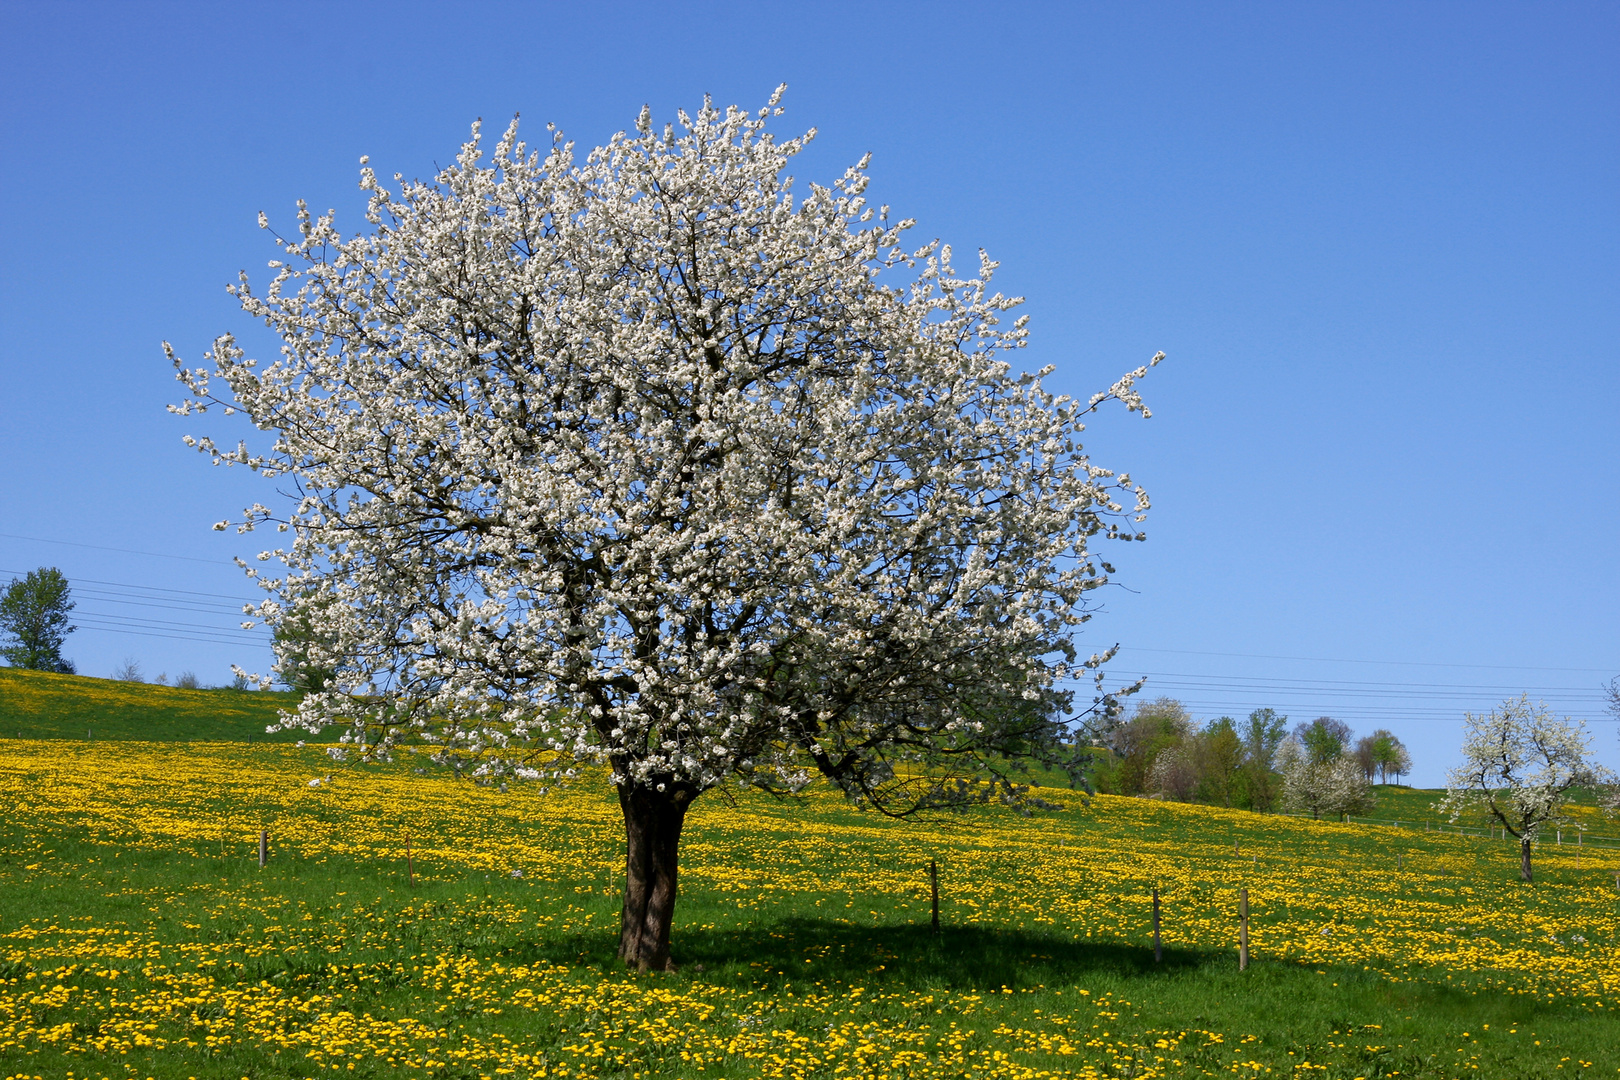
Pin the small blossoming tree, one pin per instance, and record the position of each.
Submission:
(1519, 764)
(1336, 785)
(646, 460)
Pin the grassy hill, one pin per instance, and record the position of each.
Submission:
(38, 705)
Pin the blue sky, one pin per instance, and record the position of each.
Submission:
(1377, 241)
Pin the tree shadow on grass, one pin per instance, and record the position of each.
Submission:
(813, 950)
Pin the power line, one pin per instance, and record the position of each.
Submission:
(173, 637)
(1252, 680)
(1342, 660)
(1355, 688)
(1361, 715)
(148, 588)
(165, 624)
(125, 551)
(103, 597)
(163, 599)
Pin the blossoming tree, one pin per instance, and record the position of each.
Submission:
(1519, 764)
(646, 460)
(1312, 781)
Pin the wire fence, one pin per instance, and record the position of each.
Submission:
(1557, 837)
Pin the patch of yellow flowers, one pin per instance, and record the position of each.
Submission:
(1322, 894)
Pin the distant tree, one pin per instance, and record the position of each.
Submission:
(1366, 755)
(34, 619)
(1400, 762)
(1336, 787)
(1380, 752)
(1263, 735)
(1218, 755)
(303, 653)
(1349, 792)
(1612, 692)
(1291, 757)
(130, 671)
(1174, 774)
(1153, 727)
(1324, 739)
(1389, 755)
(186, 681)
(1519, 765)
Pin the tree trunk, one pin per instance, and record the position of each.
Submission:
(652, 830)
(1524, 858)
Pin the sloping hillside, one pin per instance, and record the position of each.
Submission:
(37, 705)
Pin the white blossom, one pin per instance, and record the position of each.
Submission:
(1337, 787)
(639, 459)
(648, 459)
(1519, 764)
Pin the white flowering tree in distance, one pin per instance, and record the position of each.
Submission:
(644, 460)
(1335, 786)
(1519, 764)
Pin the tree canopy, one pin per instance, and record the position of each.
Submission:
(1324, 739)
(34, 612)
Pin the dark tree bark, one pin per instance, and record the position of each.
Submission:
(652, 829)
(1524, 858)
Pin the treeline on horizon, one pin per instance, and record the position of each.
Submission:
(1256, 763)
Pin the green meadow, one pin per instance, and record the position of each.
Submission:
(409, 925)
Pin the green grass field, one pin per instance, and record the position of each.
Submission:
(138, 936)
(39, 705)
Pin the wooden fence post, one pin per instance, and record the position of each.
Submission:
(1243, 929)
(933, 889)
(1158, 950)
(264, 847)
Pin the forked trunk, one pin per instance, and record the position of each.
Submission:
(652, 830)
(1524, 858)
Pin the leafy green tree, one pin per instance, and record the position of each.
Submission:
(1388, 754)
(1219, 756)
(1400, 762)
(34, 616)
(1154, 727)
(1324, 739)
(299, 646)
(1366, 756)
(1262, 735)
